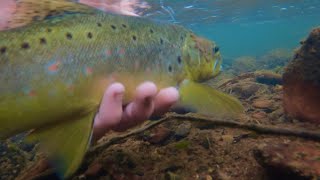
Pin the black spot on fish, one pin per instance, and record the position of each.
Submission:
(69, 36)
(179, 59)
(52, 13)
(151, 31)
(134, 38)
(49, 30)
(124, 26)
(25, 45)
(36, 18)
(113, 27)
(43, 41)
(3, 50)
(89, 35)
(161, 41)
(170, 68)
(99, 24)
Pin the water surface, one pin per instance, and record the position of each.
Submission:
(242, 27)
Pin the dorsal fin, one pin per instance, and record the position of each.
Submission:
(28, 11)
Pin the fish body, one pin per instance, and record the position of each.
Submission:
(53, 73)
(77, 53)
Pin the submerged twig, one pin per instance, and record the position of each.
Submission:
(263, 129)
(128, 134)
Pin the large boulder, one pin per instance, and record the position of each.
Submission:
(302, 81)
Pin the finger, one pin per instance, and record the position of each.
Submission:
(110, 111)
(8, 8)
(164, 100)
(141, 108)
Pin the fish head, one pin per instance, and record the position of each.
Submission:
(202, 58)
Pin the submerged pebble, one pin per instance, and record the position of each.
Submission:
(159, 135)
(259, 115)
(262, 104)
(183, 130)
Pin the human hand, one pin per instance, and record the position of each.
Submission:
(148, 101)
(7, 8)
(124, 7)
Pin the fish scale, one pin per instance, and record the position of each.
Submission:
(59, 47)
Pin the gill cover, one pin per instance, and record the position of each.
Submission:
(202, 57)
(203, 61)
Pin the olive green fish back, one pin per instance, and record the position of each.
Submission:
(49, 59)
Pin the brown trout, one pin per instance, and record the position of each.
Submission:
(55, 68)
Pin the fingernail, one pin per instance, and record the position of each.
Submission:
(147, 101)
(118, 96)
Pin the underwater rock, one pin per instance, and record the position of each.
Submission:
(290, 160)
(244, 64)
(302, 81)
(228, 139)
(259, 115)
(262, 104)
(12, 159)
(35, 169)
(159, 135)
(183, 130)
(245, 89)
(94, 169)
(275, 59)
(268, 78)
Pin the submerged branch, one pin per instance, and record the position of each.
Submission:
(262, 129)
(120, 137)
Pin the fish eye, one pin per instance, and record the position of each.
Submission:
(216, 49)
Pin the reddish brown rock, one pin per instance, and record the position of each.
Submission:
(159, 135)
(36, 169)
(268, 77)
(302, 101)
(262, 104)
(246, 89)
(259, 115)
(291, 161)
(301, 86)
(94, 169)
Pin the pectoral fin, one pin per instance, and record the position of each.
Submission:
(208, 101)
(65, 143)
